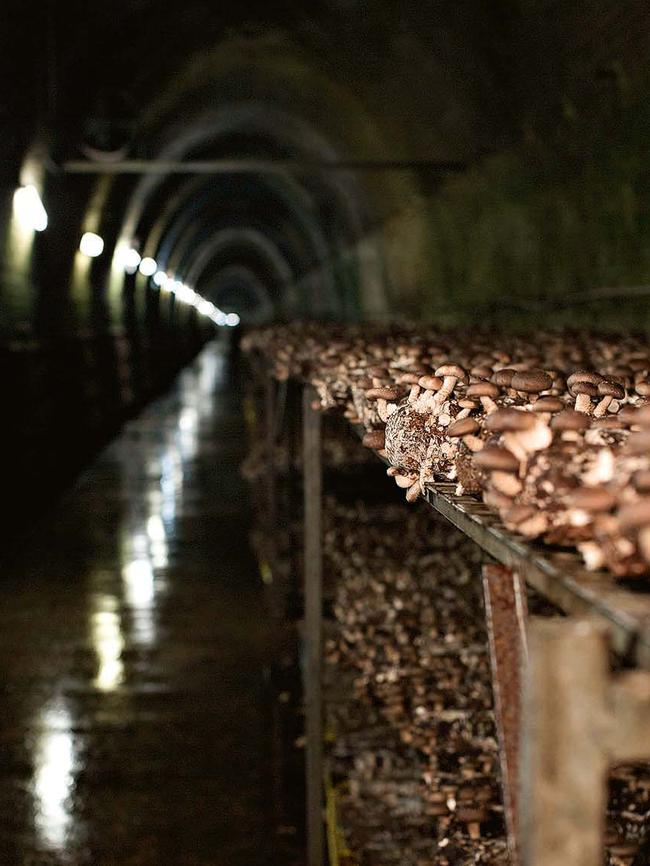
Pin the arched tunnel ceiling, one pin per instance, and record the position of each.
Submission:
(188, 82)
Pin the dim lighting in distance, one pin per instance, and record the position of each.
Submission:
(131, 260)
(205, 308)
(91, 245)
(160, 278)
(148, 266)
(29, 208)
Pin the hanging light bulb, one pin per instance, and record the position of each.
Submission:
(91, 245)
(29, 209)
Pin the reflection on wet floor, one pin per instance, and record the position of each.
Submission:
(134, 654)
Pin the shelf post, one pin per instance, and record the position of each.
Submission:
(313, 593)
(506, 611)
(565, 743)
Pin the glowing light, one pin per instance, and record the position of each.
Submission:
(206, 308)
(219, 318)
(232, 320)
(91, 245)
(131, 260)
(160, 278)
(185, 294)
(156, 528)
(29, 209)
(148, 266)
(54, 763)
(108, 641)
(139, 583)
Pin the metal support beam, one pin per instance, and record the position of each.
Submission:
(277, 166)
(313, 591)
(506, 611)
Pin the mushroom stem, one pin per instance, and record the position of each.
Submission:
(489, 405)
(448, 384)
(474, 443)
(583, 404)
(602, 407)
(413, 492)
(414, 393)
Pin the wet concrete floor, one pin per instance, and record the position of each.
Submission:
(135, 655)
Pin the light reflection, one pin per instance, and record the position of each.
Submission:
(108, 640)
(54, 764)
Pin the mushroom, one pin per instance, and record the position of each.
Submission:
(608, 390)
(526, 520)
(531, 382)
(569, 424)
(493, 457)
(583, 385)
(431, 385)
(451, 373)
(548, 404)
(384, 396)
(466, 428)
(487, 392)
(523, 433)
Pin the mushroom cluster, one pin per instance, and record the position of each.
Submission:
(414, 747)
(553, 435)
(409, 628)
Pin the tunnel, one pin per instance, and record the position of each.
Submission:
(218, 221)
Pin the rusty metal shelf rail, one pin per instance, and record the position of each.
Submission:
(557, 574)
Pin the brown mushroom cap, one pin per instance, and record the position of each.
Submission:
(638, 443)
(591, 499)
(642, 417)
(463, 427)
(611, 388)
(549, 404)
(483, 389)
(430, 383)
(481, 371)
(635, 515)
(453, 370)
(503, 377)
(493, 457)
(628, 414)
(608, 422)
(569, 419)
(583, 388)
(518, 514)
(408, 378)
(383, 394)
(641, 480)
(583, 376)
(509, 420)
(531, 381)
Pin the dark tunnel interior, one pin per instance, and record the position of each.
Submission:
(350, 161)
(173, 174)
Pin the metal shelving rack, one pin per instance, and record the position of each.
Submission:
(562, 717)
